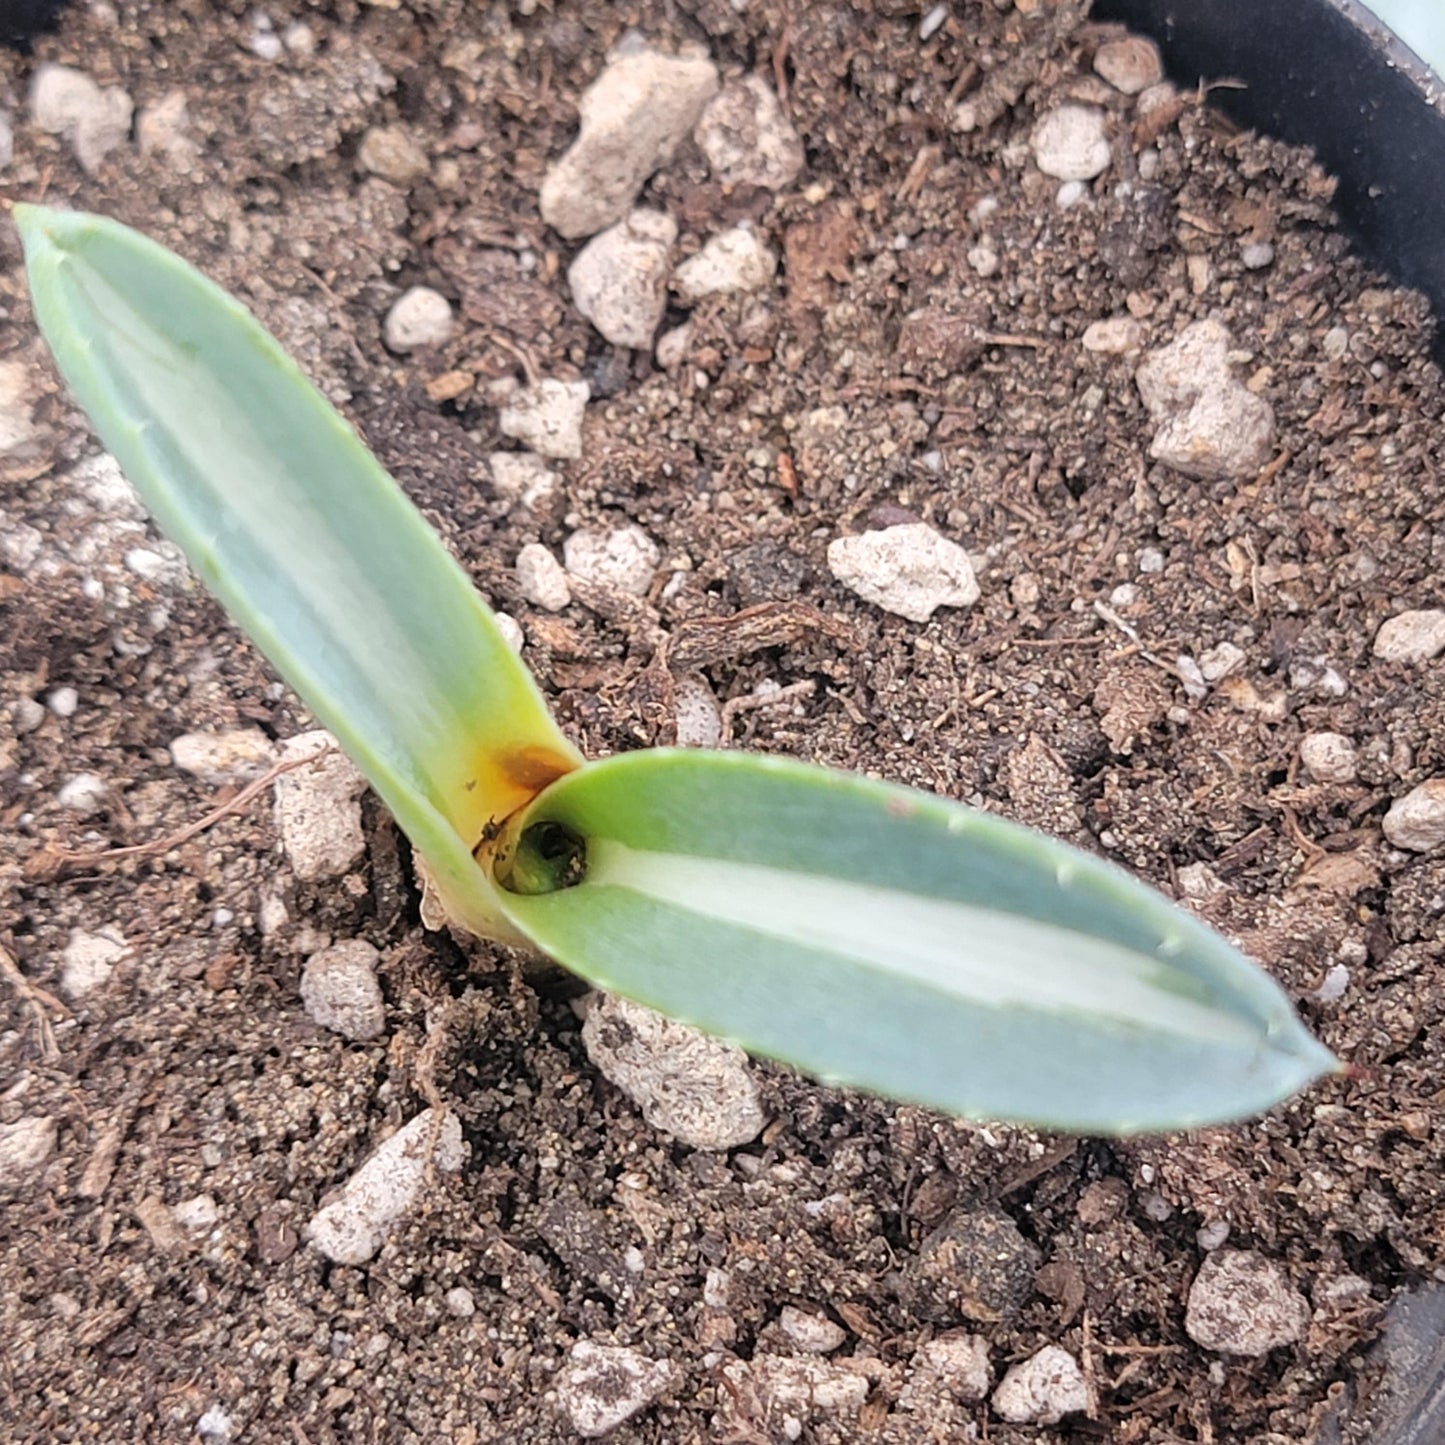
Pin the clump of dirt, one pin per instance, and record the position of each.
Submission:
(1147, 654)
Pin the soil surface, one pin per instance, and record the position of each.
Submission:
(1083, 693)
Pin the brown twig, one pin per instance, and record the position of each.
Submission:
(1312, 850)
(524, 357)
(780, 67)
(918, 173)
(1086, 1356)
(966, 78)
(55, 860)
(337, 309)
(1103, 610)
(1009, 338)
(751, 702)
(37, 1000)
(1096, 640)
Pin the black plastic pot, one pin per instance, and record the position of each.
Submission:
(22, 20)
(1327, 74)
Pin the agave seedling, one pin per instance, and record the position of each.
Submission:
(872, 935)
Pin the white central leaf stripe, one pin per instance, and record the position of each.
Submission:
(992, 959)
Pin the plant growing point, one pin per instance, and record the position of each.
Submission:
(875, 936)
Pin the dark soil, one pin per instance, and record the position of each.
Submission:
(196, 1070)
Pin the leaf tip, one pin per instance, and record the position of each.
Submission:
(39, 235)
(31, 220)
(51, 230)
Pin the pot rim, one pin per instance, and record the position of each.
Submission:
(1397, 52)
(1329, 74)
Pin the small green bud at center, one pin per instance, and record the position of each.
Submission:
(548, 858)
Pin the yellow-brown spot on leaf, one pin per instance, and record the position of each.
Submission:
(535, 768)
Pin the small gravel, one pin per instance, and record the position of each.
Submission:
(317, 808)
(216, 1426)
(1114, 336)
(932, 22)
(604, 1386)
(748, 139)
(89, 960)
(1416, 822)
(1411, 637)
(1212, 1234)
(1042, 1389)
(162, 128)
(803, 1385)
(1329, 757)
(391, 152)
(1221, 661)
(733, 261)
(68, 103)
(523, 480)
(63, 701)
(340, 991)
(672, 346)
(695, 706)
(511, 631)
(909, 570)
(1131, 64)
(196, 1215)
(624, 559)
(26, 715)
(353, 1226)
(85, 793)
(162, 565)
(631, 120)
(1210, 426)
(619, 278)
(418, 318)
(984, 260)
(541, 578)
(460, 1302)
(812, 1333)
(545, 416)
(238, 755)
(955, 1364)
(696, 1088)
(1243, 1304)
(1071, 143)
(26, 1145)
